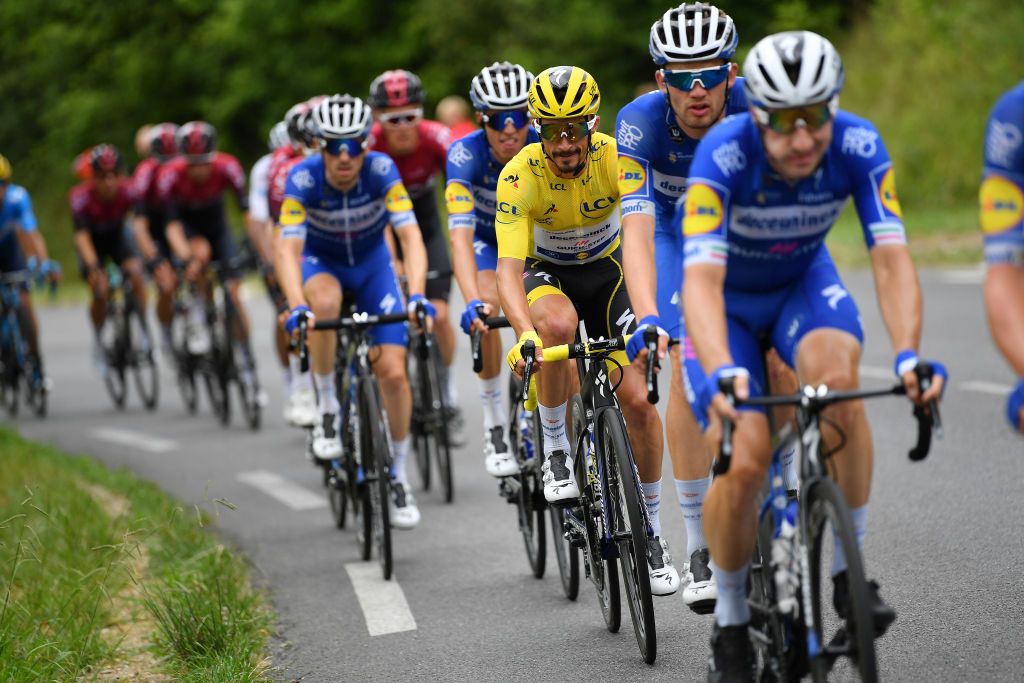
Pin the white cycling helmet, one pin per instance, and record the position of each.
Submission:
(792, 69)
(501, 86)
(278, 136)
(693, 32)
(342, 116)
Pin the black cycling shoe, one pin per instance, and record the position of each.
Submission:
(732, 655)
(882, 614)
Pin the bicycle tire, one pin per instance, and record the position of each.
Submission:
(378, 475)
(10, 384)
(566, 554)
(114, 378)
(822, 503)
(531, 503)
(249, 391)
(629, 528)
(187, 384)
(417, 426)
(770, 647)
(337, 497)
(438, 425)
(144, 370)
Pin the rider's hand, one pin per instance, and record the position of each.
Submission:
(636, 347)
(1015, 407)
(96, 278)
(472, 317)
(192, 269)
(298, 313)
(50, 270)
(417, 301)
(741, 389)
(514, 357)
(906, 364)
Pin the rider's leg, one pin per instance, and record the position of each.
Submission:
(490, 349)
(32, 332)
(555, 320)
(323, 293)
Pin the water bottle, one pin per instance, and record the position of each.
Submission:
(784, 562)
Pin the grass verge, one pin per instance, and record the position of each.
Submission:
(103, 576)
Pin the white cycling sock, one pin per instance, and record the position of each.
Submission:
(553, 422)
(731, 609)
(790, 476)
(451, 392)
(490, 396)
(691, 499)
(652, 496)
(286, 379)
(327, 399)
(860, 528)
(300, 380)
(399, 457)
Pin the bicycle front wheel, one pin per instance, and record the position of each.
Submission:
(827, 517)
(418, 424)
(375, 464)
(531, 503)
(629, 529)
(144, 369)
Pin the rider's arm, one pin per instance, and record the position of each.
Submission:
(288, 266)
(1004, 303)
(464, 264)
(260, 234)
(704, 308)
(899, 295)
(86, 250)
(638, 263)
(461, 226)
(414, 257)
(513, 295)
(513, 225)
(140, 230)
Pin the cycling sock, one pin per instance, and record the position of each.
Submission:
(451, 392)
(790, 476)
(168, 339)
(326, 394)
(490, 395)
(691, 499)
(731, 609)
(300, 380)
(553, 422)
(399, 456)
(860, 527)
(652, 496)
(286, 379)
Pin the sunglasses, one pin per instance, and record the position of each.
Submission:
(570, 131)
(499, 120)
(687, 79)
(353, 146)
(786, 121)
(399, 118)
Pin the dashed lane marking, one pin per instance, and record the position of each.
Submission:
(140, 440)
(383, 602)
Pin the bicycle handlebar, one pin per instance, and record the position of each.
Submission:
(360, 320)
(476, 337)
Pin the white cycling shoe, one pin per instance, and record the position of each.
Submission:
(326, 440)
(498, 458)
(701, 592)
(559, 483)
(664, 577)
(402, 507)
(300, 409)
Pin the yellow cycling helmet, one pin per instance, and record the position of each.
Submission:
(563, 92)
(5, 168)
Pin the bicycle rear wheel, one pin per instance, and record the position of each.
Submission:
(766, 623)
(827, 516)
(418, 425)
(10, 383)
(249, 389)
(144, 370)
(378, 475)
(629, 529)
(439, 425)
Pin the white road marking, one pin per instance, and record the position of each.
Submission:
(383, 602)
(288, 492)
(971, 276)
(987, 388)
(146, 442)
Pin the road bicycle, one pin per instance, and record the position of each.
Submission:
(430, 412)
(128, 344)
(18, 367)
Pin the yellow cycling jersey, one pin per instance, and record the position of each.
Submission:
(560, 220)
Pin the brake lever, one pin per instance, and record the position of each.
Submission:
(651, 340)
(726, 385)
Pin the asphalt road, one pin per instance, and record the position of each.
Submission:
(945, 535)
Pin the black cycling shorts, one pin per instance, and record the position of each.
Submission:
(116, 246)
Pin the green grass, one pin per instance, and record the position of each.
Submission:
(68, 566)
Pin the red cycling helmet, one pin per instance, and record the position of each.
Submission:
(396, 88)
(105, 159)
(197, 142)
(162, 143)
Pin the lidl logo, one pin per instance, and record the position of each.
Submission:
(292, 213)
(631, 176)
(397, 199)
(702, 212)
(458, 198)
(1002, 204)
(887, 193)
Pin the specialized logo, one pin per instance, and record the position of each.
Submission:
(292, 213)
(629, 135)
(887, 193)
(702, 212)
(625, 320)
(303, 179)
(597, 208)
(729, 158)
(834, 294)
(458, 198)
(459, 154)
(1003, 140)
(388, 303)
(631, 176)
(397, 199)
(513, 179)
(860, 141)
(1002, 205)
(381, 165)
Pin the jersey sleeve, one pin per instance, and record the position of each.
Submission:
(259, 184)
(703, 215)
(458, 193)
(166, 180)
(25, 217)
(636, 144)
(396, 198)
(1001, 197)
(236, 178)
(872, 184)
(79, 201)
(142, 180)
(515, 197)
(293, 216)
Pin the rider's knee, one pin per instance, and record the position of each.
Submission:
(556, 330)
(391, 376)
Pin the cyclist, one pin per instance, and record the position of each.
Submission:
(1002, 222)
(20, 235)
(453, 111)
(99, 209)
(499, 93)
(657, 133)
(559, 261)
(419, 148)
(192, 187)
(764, 189)
(150, 224)
(337, 205)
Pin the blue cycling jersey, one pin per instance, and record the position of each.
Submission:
(738, 212)
(346, 226)
(16, 212)
(655, 156)
(472, 185)
(1002, 188)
